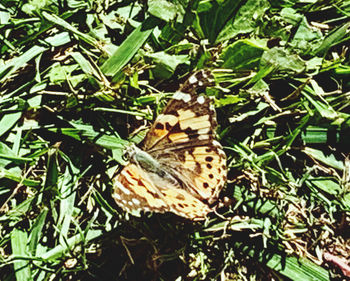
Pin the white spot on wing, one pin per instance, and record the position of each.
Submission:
(203, 131)
(203, 137)
(171, 119)
(200, 99)
(216, 143)
(182, 96)
(116, 196)
(122, 188)
(136, 201)
(192, 79)
(130, 203)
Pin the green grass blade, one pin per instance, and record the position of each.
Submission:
(36, 231)
(8, 121)
(19, 239)
(59, 250)
(13, 65)
(296, 269)
(126, 50)
(64, 24)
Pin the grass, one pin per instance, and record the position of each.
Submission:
(80, 80)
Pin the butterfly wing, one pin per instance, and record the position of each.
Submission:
(182, 145)
(135, 190)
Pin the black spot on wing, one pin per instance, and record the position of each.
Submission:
(198, 169)
(192, 134)
(168, 127)
(159, 126)
(208, 158)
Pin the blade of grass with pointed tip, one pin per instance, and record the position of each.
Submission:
(126, 51)
(8, 121)
(85, 64)
(61, 22)
(13, 65)
(332, 39)
(329, 160)
(67, 186)
(36, 231)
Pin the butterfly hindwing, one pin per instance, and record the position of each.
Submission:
(202, 169)
(135, 191)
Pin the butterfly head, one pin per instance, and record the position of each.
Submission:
(129, 152)
(142, 159)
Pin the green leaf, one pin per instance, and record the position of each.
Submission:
(64, 24)
(16, 175)
(328, 160)
(58, 39)
(332, 39)
(59, 73)
(165, 64)
(166, 10)
(228, 99)
(282, 60)
(245, 20)
(325, 184)
(243, 54)
(85, 64)
(291, 16)
(346, 200)
(324, 109)
(86, 131)
(306, 38)
(5, 150)
(52, 170)
(67, 185)
(34, 6)
(213, 15)
(294, 268)
(315, 135)
(60, 250)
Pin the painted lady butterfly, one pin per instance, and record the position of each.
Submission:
(180, 168)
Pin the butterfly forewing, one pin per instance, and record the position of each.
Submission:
(187, 119)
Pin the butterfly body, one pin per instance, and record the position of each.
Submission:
(180, 167)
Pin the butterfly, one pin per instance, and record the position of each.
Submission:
(180, 166)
